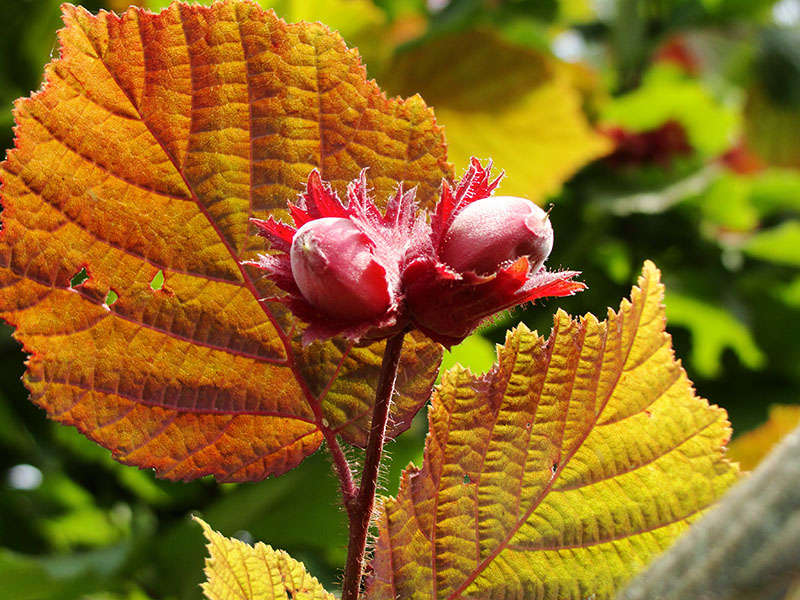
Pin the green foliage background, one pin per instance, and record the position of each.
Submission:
(726, 239)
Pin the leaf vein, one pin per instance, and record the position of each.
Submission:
(210, 411)
(274, 451)
(641, 465)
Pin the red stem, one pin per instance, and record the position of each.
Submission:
(359, 510)
(343, 470)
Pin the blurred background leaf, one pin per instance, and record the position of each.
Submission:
(503, 101)
(667, 130)
(750, 448)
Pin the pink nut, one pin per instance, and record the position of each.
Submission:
(491, 233)
(334, 267)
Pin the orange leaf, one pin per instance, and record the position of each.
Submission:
(153, 142)
(751, 447)
(559, 473)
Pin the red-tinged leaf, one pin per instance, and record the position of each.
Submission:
(562, 471)
(153, 142)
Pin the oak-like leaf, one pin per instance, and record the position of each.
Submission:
(237, 571)
(127, 205)
(562, 471)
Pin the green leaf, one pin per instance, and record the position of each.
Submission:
(727, 204)
(790, 292)
(780, 244)
(238, 571)
(772, 130)
(776, 189)
(60, 577)
(475, 353)
(667, 94)
(713, 330)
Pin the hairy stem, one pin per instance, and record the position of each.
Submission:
(359, 510)
(342, 467)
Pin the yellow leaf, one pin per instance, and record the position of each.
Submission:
(561, 472)
(750, 448)
(238, 571)
(509, 103)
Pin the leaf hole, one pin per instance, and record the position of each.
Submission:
(244, 536)
(79, 278)
(554, 468)
(157, 282)
(466, 479)
(111, 297)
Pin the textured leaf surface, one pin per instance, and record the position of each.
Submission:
(505, 102)
(238, 571)
(746, 548)
(561, 472)
(751, 447)
(154, 140)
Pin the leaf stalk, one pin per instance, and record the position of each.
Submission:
(360, 508)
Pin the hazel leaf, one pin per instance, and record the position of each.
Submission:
(137, 168)
(238, 571)
(513, 104)
(562, 471)
(746, 548)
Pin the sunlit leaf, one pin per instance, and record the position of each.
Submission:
(506, 102)
(360, 22)
(238, 571)
(751, 447)
(745, 548)
(88, 526)
(154, 140)
(561, 472)
(580, 11)
(714, 330)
